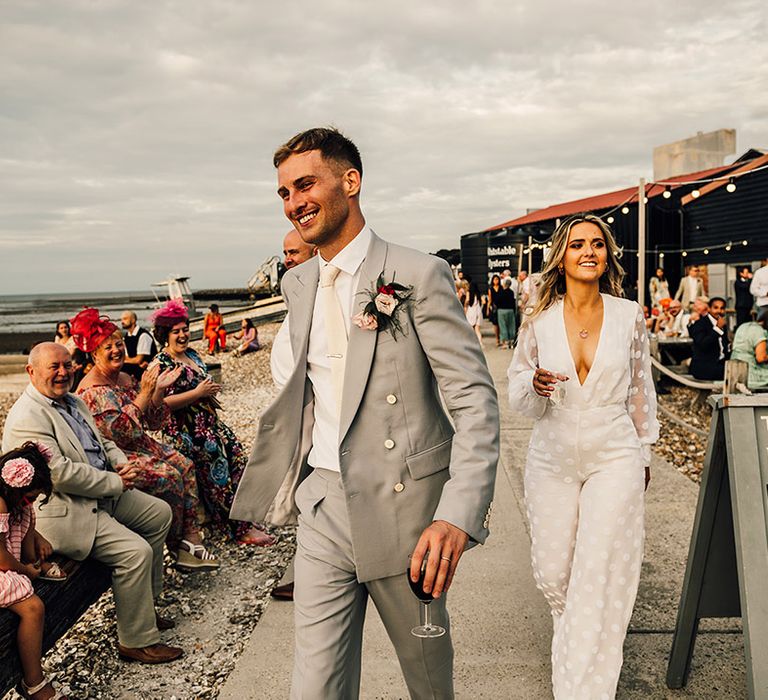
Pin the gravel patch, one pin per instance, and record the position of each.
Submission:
(215, 612)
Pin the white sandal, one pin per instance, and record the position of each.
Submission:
(27, 691)
(54, 573)
(196, 556)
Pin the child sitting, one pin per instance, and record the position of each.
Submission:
(24, 475)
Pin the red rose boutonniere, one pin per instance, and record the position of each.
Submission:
(382, 310)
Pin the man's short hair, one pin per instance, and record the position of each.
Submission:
(331, 143)
(712, 300)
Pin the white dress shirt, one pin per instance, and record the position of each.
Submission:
(758, 288)
(325, 433)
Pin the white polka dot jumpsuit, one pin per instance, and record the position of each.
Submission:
(584, 488)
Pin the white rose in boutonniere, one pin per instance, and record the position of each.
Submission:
(385, 303)
(382, 310)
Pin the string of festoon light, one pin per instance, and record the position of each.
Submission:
(623, 207)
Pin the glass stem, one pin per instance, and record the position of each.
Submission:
(427, 616)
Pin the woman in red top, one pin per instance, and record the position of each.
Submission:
(214, 330)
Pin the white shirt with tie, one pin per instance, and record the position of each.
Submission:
(325, 433)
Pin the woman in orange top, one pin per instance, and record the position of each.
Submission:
(214, 330)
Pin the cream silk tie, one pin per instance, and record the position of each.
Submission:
(335, 329)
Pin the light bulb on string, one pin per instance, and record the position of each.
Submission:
(625, 210)
(610, 219)
(728, 247)
(661, 256)
(744, 243)
(731, 186)
(695, 193)
(706, 251)
(667, 193)
(684, 253)
(645, 200)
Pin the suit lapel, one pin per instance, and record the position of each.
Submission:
(362, 343)
(63, 425)
(302, 307)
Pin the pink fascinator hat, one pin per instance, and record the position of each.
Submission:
(169, 315)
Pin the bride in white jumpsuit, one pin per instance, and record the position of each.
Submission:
(582, 370)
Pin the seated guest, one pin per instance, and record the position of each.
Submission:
(94, 509)
(213, 329)
(140, 346)
(195, 428)
(710, 340)
(672, 322)
(749, 345)
(123, 413)
(64, 337)
(248, 337)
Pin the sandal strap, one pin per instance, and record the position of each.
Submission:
(204, 554)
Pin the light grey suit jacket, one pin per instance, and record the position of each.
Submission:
(68, 520)
(404, 461)
(683, 294)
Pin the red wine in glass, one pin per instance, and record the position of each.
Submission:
(426, 629)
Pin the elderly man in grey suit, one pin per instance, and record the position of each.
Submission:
(94, 511)
(374, 349)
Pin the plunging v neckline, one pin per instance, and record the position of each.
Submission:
(568, 343)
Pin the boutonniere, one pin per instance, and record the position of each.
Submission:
(382, 310)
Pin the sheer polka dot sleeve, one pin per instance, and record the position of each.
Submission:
(522, 397)
(641, 401)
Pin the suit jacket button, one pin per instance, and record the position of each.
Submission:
(399, 487)
(391, 399)
(94, 510)
(389, 444)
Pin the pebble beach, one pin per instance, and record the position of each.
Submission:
(215, 612)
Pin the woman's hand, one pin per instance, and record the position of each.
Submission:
(207, 388)
(149, 380)
(168, 377)
(544, 381)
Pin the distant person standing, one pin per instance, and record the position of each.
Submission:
(491, 310)
(691, 288)
(140, 346)
(473, 309)
(744, 299)
(759, 286)
(214, 330)
(507, 313)
(658, 288)
(295, 250)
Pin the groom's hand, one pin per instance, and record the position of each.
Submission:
(445, 544)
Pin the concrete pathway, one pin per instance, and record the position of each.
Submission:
(500, 621)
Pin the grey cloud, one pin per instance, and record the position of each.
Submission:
(137, 136)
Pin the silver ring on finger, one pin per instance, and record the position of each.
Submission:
(448, 559)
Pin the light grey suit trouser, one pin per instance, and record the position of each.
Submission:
(130, 532)
(330, 608)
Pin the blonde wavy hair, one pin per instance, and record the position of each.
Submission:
(551, 285)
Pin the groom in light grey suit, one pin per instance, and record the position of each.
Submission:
(384, 474)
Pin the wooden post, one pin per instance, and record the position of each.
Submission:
(530, 255)
(641, 242)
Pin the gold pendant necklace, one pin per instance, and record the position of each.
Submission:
(583, 333)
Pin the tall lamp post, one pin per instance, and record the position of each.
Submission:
(641, 242)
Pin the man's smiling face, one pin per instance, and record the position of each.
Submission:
(315, 196)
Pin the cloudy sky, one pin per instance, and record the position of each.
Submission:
(136, 136)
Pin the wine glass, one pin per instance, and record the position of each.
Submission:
(426, 629)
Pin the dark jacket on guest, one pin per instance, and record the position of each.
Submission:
(710, 349)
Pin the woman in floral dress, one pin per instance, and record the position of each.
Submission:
(195, 428)
(123, 412)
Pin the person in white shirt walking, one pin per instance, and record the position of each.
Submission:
(691, 288)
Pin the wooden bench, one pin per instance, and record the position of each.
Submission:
(65, 602)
